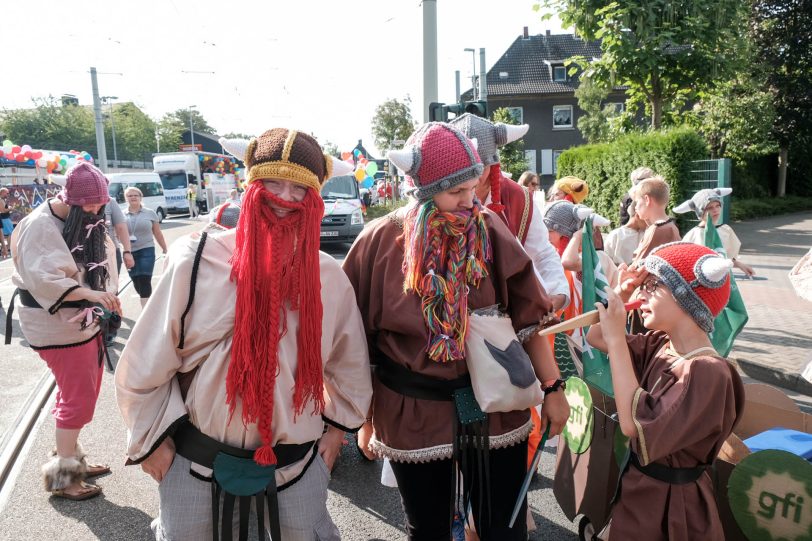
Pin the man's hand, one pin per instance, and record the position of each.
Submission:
(363, 436)
(555, 411)
(158, 463)
(558, 301)
(129, 261)
(330, 445)
(629, 279)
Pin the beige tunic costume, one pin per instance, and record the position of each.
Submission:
(730, 241)
(408, 429)
(148, 392)
(44, 266)
(684, 410)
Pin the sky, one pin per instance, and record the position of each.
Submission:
(312, 65)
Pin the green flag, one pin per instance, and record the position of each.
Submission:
(729, 323)
(596, 363)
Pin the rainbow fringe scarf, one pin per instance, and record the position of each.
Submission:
(445, 253)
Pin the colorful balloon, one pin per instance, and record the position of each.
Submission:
(360, 174)
(372, 168)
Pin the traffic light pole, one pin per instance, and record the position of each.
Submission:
(429, 56)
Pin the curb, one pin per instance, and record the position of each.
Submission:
(792, 382)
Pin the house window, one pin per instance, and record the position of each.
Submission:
(562, 117)
(559, 74)
(530, 158)
(517, 113)
(556, 154)
(616, 107)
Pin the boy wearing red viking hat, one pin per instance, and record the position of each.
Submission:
(234, 387)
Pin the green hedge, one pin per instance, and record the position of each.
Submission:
(606, 166)
(376, 211)
(745, 209)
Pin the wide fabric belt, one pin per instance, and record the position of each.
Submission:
(192, 444)
(236, 475)
(28, 300)
(409, 383)
(667, 474)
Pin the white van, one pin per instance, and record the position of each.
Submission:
(149, 184)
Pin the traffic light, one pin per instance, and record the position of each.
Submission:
(478, 108)
(438, 112)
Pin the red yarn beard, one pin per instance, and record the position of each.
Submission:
(276, 260)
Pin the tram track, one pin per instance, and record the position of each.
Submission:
(15, 440)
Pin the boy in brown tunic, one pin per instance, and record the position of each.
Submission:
(651, 199)
(677, 399)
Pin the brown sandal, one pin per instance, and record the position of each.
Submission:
(90, 491)
(94, 470)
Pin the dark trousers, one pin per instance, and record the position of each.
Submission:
(425, 492)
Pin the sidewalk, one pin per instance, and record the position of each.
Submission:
(776, 344)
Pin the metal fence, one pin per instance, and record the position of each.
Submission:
(712, 174)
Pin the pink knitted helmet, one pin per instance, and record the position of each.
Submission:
(436, 157)
(85, 184)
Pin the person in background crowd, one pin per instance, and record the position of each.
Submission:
(635, 177)
(5, 222)
(624, 240)
(530, 180)
(144, 229)
(571, 189)
(117, 231)
(233, 198)
(650, 198)
(64, 273)
(709, 201)
(191, 197)
(262, 366)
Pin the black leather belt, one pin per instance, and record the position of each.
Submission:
(28, 300)
(666, 474)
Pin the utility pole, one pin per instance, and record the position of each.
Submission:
(100, 145)
(457, 83)
(429, 55)
(109, 100)
(191, 126)
(473, 71)
(483, 76)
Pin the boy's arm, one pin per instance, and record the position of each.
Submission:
(611, 334)
(571, 258)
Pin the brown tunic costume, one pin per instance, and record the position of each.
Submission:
(684, 410)
(656, 234)
(407, 429)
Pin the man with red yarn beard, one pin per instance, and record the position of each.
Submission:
(239, 389)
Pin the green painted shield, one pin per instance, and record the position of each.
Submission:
(770, 494)
(578, 430)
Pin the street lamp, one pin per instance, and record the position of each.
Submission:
(191, 126)
(109, 99)
(473, 74)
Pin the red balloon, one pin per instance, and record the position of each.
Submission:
(36, 155)
(1, 153)
(15, 149)
(20, 158)
(27, 155)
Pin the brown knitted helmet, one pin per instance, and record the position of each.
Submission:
(289, 155)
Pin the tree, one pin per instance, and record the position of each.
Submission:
(331, 149)
(511, 156)
(664, 51)
(135, 133)
(237, 135)
(782, 34)
(594, 122)
(392, 121)
(52, 126)
(172, 126)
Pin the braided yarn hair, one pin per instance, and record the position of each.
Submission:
(445, 252)
(85, 233)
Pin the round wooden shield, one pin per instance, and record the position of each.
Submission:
(578, 430)
(770, 494)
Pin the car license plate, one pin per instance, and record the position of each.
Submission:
(329, 233)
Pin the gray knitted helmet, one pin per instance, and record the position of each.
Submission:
(226, 215)
(565, 217)
(489, 136)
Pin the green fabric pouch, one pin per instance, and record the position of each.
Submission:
(468, 410)
(242, 476)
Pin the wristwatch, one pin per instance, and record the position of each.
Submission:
(557, 385)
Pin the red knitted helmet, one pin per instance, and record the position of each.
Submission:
(437, 157)
(698, 277)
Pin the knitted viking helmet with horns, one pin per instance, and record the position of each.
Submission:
(701, 199)
(698, 277)
(490, 136)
